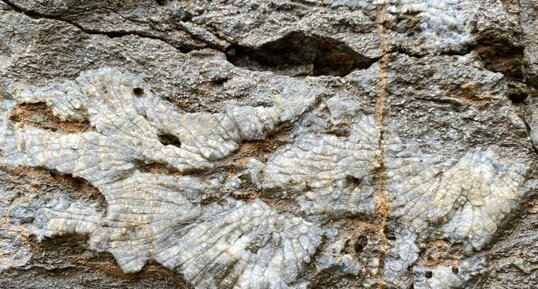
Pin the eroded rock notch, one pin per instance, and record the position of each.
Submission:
(301, 54)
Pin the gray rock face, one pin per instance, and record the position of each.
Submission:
(268, 144)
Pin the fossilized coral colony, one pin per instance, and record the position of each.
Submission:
(354, 174)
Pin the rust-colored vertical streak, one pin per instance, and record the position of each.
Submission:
(380, 198)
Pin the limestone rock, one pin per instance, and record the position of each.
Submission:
(268, 144)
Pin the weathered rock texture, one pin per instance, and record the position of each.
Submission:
(269, 144)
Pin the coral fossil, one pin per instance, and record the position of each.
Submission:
(232, 243)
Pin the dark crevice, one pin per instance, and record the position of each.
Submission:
(428, 274)
(139, 92)
(353, 181)
(75, 242)
(156, 168)
(390, 233)
(360, 243)
(510, 61)
(169, 139)
(466, 50)
(528, 128)
(110, 34)
(300, 54)
(504, 58)
(517, 95)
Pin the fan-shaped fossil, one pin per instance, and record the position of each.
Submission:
(185, 220)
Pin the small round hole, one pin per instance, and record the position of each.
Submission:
(169, 139)
(518, 97)
(428, 274)
(138, 91)
(360, 243)
(455, 270)
(353, 181)
(161, 2)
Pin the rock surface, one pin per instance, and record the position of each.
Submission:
(269, 144)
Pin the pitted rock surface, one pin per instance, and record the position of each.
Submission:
(268, 144)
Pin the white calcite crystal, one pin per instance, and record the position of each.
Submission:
(144, 208)
(469, 194)
(128, 119)
(463, 198)
(335, 173)
(64, 216)
(186, 216)
(242, 246)
(159, 216)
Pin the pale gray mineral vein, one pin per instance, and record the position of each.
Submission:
(269, 144)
